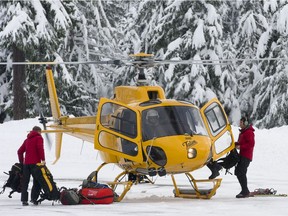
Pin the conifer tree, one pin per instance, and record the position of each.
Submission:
(251, 25)
(30, 30)
(270, 90)
(93, 38)
(229, 12)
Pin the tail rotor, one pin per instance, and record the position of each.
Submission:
(43, 120)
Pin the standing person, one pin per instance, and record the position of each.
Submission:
(246, 142)
(34, 153)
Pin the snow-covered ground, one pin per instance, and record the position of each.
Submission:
(80, 159)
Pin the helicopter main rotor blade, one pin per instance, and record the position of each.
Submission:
(116, 62)
(161, 62)
(150, 62)
(143, 60)
(215, 61)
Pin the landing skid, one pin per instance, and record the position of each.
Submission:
(136, 178)
(195, 192)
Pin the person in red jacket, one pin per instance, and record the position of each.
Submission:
(246, 142)
(33, 149)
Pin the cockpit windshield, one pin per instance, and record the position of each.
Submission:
(171, 121)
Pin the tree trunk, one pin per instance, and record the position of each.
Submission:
(19, 104)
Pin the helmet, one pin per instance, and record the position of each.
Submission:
(152, 117)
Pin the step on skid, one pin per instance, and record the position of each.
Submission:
(195, 191)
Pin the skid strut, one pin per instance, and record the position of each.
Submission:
(135, 179)
(117, 181)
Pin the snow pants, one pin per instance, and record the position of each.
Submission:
(241, 173)
(36, 188)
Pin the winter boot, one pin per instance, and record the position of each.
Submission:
(215, 168)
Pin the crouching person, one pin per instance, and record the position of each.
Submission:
(33, 149)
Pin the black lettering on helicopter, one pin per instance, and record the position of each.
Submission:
(189, 143)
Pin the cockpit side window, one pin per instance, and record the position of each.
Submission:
(121, 119)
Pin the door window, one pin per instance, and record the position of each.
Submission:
(218, 127)
(216, 119)
(123, 121)
(119, 119)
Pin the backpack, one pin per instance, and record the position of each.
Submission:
(230, 160)
(69, 196)
(14, 180)
(44, 177)
(91, 184)
(96, 193)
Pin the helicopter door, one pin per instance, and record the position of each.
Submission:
(117, 130)
(218, 127)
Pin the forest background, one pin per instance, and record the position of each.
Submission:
(246, 39)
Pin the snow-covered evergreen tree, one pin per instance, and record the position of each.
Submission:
(252, 24)
(63, 31)
(229, 12)
(5, 82)
(94, 38)
(34, 29)
(270, 91)
(129, 44)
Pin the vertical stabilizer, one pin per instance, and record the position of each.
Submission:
(55, 108)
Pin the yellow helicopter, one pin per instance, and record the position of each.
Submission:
(146, 134)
